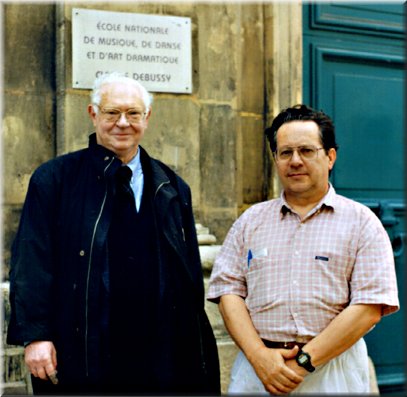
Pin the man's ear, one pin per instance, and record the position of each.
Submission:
(92, 113)
(332, 158)
(148, 115)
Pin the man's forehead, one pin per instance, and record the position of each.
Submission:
(299, 132)
(112, 87)
(300, 124)
(120, 92)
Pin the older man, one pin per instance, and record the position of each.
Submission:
(106, 283)
(303, 277)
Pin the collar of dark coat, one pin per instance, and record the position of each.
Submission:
(161, 175)
(162, 178)
(103, 160)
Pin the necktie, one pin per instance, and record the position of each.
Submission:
(124, 189)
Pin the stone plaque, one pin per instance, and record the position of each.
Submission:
(153, 49)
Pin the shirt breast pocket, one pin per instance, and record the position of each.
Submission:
(330, 277)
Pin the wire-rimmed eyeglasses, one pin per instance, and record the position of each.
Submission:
(306, 152)
(113, 115)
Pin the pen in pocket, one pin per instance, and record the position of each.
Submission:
(249, 257)
(258, 253)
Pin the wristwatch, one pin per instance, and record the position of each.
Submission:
(304, 360)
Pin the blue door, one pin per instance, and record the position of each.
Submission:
(354, 71)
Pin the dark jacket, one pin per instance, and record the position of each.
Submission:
(60, 248)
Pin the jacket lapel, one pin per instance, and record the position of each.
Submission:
(168, 212)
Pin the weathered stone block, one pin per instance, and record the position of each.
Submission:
(251, 80)
(77, 126)
(219, 28)
(172, 136)
(206, 239)
(221, 220)
(11, 218)
(5, 288)
(252, 160)
(29, 47)
(27, 135)
(218, 156)
(208, 255)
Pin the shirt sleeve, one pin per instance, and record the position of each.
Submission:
(374, 277)
(228, 273)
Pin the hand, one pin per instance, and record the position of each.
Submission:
(292, 363)
(272, 370)
(41, 360)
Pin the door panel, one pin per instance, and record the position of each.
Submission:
(363, 92)
(373, 19)
(386, 341)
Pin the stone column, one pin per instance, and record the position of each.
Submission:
(283, 57)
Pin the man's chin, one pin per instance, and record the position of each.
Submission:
(298, 185)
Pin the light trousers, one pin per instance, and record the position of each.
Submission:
(347, 373)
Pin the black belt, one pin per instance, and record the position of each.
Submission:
(282, 345)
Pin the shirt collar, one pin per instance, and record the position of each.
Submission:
(327, 201)
(134, 164)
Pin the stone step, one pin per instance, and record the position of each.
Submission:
(14, 389)
(208, 254)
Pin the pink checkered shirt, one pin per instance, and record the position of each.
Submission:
(296, 276)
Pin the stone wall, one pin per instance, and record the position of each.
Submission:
(28, 127)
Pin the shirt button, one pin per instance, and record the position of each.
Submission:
(107, 158)
(82, 253)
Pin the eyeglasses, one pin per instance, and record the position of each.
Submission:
(112, 115)
(306, 152)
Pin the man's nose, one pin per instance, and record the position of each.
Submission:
(122, 120)
(296, 158)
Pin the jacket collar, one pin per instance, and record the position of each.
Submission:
(159, 174)
(102, 158)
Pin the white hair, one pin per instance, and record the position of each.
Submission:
(117, 77)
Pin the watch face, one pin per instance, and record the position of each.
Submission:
(302, 359)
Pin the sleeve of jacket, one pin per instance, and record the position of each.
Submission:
(32, 263)
(191, 239)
